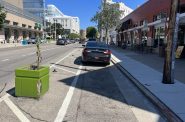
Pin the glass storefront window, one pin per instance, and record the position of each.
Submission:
(159, 36)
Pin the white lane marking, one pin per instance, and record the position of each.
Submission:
(24, 55)
(41, 51)
(16, 110)
(67, 100)
(65, 70)
(50, 49)
(13, 107)
(62, 59)
(5, 60)
(4, 97)
(31, 54)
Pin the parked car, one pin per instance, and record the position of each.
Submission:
(32, 41)
(96, 52)
(68, 41)
(61, 42)
(91, 40)
(72, 41)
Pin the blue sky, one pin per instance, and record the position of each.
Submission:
(85, 9)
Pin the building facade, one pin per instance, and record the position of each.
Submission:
(19, 24)
(148, 25)
(82, 35)
(36, 7)
(125, 10)
(69, 23)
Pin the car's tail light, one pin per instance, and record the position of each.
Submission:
(86, 50)
(108, 52)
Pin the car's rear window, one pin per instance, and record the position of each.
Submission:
(96, 44)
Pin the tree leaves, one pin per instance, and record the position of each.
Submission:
(91, 32)
(2, 16)
(108, 17)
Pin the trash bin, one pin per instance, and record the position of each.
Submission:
(24, 42)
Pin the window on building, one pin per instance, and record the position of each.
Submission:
(160, 16)
(29, 26)
(15, 23)
(159, 36)
(7, 22)
(143, 22)
(23, 25)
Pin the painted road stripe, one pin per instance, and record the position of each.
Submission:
(65, 70)
(5, 60)
(41, 51)
(4, 97)
(16, 110)
(62, 59)
(62, 112)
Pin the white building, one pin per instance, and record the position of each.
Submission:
(125, 11)
(69, 23)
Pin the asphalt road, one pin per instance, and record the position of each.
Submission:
(78, 92)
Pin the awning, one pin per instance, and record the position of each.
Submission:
(18, 27)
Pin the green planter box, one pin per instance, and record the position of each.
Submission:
(31, 83)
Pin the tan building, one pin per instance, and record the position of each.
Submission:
(19, 24)
(82, 35)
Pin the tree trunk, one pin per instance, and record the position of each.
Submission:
(106, 36)
(168, 71)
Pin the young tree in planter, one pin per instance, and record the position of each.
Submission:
(107, 18)
(33, 81)
(39, 58)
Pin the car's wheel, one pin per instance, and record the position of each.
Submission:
(107, 63)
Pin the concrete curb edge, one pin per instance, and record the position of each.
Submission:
(169, 114)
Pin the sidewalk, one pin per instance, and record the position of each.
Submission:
(8, 45)
(12, 45)
(154, 61)
(169, 98)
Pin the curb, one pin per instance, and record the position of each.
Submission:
(168, 113)
(21, 47)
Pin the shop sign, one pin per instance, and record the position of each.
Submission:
(179, 51)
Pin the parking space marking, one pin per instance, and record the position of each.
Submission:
(16, 110)
(65, 70)
(41, 51)
(5, 60)
(62, 59)
(67, 100)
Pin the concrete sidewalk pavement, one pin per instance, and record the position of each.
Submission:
(170, 98)
(154, 61)
(12, 45)
(8, 45)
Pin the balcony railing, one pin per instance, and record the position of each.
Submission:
(19, 12)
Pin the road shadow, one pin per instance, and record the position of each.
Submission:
(78, 61)
(11, 92)
(101, 83)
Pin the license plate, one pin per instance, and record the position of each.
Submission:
(96, 57)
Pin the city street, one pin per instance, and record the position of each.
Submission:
(78, 92)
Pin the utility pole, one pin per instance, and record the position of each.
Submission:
(55, 29)
(169, 63)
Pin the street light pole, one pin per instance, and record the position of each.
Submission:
(44, 21)
(55, 30)
(169, 64)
